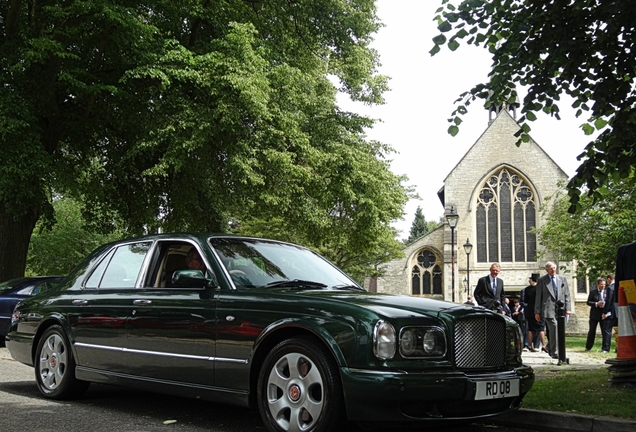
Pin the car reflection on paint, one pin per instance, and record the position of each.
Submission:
(266, 324)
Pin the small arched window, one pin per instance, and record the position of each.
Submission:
(505, 217)
(426, 273)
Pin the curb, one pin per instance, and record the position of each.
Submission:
(560, 422)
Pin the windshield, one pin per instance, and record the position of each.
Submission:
(256, 263)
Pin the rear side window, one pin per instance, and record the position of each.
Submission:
(120, 268)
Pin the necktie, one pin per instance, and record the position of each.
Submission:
(554, 287)
(494, 287)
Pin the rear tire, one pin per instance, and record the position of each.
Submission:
(55, 366)
(299, 388)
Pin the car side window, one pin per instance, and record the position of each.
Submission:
(96, 276)
(121, 268)
(170, 257)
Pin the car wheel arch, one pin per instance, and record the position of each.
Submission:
(276, 334)
(43, 326)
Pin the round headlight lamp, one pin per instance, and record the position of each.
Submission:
(408, 342)
(384, 340)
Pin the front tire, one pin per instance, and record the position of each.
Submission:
(299, 388)
(55, 366)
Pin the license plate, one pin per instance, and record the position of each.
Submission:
(497, 389)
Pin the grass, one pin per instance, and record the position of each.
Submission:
(585, 392)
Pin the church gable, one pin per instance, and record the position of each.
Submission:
(497, 190)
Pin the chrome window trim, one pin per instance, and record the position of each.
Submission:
(162, 354)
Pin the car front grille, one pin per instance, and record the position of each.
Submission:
(480, 342)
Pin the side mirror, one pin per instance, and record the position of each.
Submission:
(193, 278)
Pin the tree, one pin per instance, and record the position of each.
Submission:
(584, 49)
(592, 234)
(419, 227)
(57, 246)
(185, 115)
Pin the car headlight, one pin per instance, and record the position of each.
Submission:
(422, 342)
(384, 341)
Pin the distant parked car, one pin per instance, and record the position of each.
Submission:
(267, 324)
(15, 290)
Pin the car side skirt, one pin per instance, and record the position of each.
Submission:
(173, 388)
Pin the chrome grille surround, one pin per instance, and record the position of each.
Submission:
(480, 342)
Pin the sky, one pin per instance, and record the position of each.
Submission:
(414, 119)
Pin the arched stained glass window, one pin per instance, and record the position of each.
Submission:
(505, 215)
(426, 273)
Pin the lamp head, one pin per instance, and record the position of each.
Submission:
(452, 218)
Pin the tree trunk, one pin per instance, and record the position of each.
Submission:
(15, 234)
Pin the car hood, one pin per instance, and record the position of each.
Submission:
(387, 305)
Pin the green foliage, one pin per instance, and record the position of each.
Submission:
(593, 233)
(185, 115)
(583, 49)
(419, 227)
(344, 203)
(57, 246)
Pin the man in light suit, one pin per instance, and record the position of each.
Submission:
(551, 288)
(490, 289)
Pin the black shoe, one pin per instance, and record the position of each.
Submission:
(587, 350)
(532, 349)
(554, 356)
(544, 350)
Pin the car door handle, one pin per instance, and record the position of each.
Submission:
(142, 302)
(80, 302)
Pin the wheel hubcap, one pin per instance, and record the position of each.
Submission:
(295, 393)
(52, 362)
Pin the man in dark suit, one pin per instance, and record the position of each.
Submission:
(551, 288)
(610, 314)
(596, 300)
(490, 289)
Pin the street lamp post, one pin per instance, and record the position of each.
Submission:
(468, 247)
(452, 219)
(465, 282)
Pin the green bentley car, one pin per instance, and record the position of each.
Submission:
(262, 323)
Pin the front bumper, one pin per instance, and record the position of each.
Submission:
(413, 397)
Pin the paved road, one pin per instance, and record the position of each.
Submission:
(106, 408)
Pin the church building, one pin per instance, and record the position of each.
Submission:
(497, 191)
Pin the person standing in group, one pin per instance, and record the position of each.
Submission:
(516, 313)
(490, 289)
(551, 288)
(505, 308)
(609, 319)
(596, 301)
(536, 329)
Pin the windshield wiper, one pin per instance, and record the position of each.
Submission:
(296, 283)
(347, 287)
